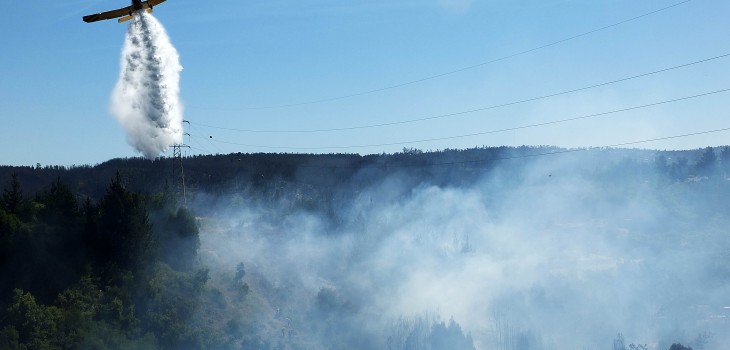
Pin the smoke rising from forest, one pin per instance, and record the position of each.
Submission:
(146, 98)
(560, 253)
(599, 249)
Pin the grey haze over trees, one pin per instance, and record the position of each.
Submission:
(488, 248)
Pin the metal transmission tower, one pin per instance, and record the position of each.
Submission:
(178, 175)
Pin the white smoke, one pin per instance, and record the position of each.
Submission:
(146, 98)
(556, 253)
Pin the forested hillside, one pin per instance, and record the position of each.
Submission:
(226, 173)
(459, 249)
(83, 274)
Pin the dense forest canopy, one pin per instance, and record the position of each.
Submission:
(489, 248)
(220, 173)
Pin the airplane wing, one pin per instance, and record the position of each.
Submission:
(126, 11)
(155, 2)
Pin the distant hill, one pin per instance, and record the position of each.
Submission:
(237, 171)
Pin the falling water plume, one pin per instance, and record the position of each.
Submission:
(146, 98)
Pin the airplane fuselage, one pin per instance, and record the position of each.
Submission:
(137, 5)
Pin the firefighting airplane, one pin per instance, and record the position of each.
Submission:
(125, 13)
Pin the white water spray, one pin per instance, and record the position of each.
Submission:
(146, 98)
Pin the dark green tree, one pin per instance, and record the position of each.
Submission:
(124, 234)
(12, 198)
(725, 160)
(79, 304)
(707, 163)
(677, 346)
(679, 169)
(9, 338)
(449, 337)
(14, 202)
(10, 227)
(35, 324)
(56, 231)
(172, 300)
(178, 239)
(59, 202)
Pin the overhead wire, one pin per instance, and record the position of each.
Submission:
(458, 70)
(572, 150)
(200, 143)
(535, 125)
(480, 109)
(494, 107)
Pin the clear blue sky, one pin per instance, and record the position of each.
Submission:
(57, 73)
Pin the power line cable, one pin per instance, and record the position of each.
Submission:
(572, 150)
(441, 116)
(431, 77)
(200, 144)
(541, 154)
(588, 116)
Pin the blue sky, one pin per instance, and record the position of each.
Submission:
(247, 62)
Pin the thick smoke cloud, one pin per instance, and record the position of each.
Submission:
(146, 98)
(562, 253)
